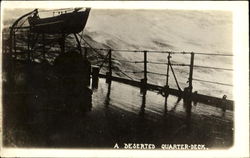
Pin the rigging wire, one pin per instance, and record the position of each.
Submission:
(217, 68)
(105, 59)
(125, 74)
(155, 62)
(171, 52)
(128, 61)
(156, 73)
(219, 83)
(134, 71)
(174, 76)
(215, 54)
(94, 49)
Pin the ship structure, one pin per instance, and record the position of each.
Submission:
(56, 94)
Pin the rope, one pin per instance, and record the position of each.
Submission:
(224, 84)
(128, 61)
(161, 63)
(126, 74)
(81, 38)
(124, 50)
(226, 69)
(94, 49)
(215, 54)
(133, 71)
(174, 76)
(155, 62)
(171, 52)
(101, 56)
(167, 52)
(104, 60)
(156, 73)
(198, 66)
(180, 64)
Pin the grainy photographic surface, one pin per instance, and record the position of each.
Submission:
(86, 78)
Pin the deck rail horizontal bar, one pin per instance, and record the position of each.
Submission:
(209, 100)
(164, 52)
(219, 83)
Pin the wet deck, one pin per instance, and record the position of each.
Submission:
(117, 117)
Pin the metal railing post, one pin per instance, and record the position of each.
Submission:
(166, 88)
(144, 80)
(169, 56)
(109, 73)
(110, 63)
(145, 68)
(95, 77)
(190, 79)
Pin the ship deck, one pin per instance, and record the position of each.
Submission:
(120, 114)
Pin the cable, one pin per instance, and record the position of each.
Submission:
(128, 61)
(198, 66)
(133, 71)
(208, 67)
(167, 52)
(94, 49)
(170, 52)
(175, 78)
(104, 60)
(81, 38)
(156, 73)
(224, 84)
(155, 62)
(180, 64)
(215, 54)
(126, 74)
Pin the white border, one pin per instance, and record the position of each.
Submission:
(241, 77)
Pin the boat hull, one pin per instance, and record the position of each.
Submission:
(65, 23)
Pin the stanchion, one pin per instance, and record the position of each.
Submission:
(95, 77)
(109, 73)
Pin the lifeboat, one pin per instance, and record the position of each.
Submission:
(73, 22)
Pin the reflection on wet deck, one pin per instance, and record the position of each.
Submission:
(130, 99)
(146, 112)
(122, 114)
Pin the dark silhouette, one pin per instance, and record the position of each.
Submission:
(95, 79)
(187, 100)
(107, 99)
(224, 105)
(73, 72)
(143, 105)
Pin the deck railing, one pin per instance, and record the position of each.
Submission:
(106, 56)
(109, 59)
